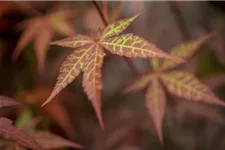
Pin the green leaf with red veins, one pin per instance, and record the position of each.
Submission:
(185, 85)
(155, 101)
(92, 80)
(70, 69)
(117, 27)
(130, 45)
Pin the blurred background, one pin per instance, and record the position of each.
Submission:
(187, 125)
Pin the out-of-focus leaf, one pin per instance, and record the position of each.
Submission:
(198, 110)
(24, 118)
(139, 84)
(215, 81)
(56, 111)
(6, 101)
(41, 30)
(8, 131)
(185, 51)
(41, 45)
(155, 101)
(186, 85)
(51, 141)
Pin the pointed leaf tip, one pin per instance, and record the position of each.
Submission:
(117, 27)
(155, 102)
(76, 41)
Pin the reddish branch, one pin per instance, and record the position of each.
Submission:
(131, 65)
(179, 20)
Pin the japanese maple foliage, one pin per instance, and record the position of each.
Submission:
(41, 29)
(179, 83)
(89, 54)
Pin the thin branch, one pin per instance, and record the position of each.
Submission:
(131, 65)
(105, 10)
(179, 20)
(100, 13)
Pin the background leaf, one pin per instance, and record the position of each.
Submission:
(186, 85)
(8, 131)
(51, 141)
(139, 83)
(155, 101)
(6, 101)
(185, 51)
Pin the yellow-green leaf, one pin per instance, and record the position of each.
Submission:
(139, 84)
(74, 41)
(117, 27)
(92, 80)
(130, 45)
(155, 102)
(185, 51)
(70, 69)
(185, 85)
(155, 63)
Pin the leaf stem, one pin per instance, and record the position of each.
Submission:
(100, 13)
(131, 65)
(105, 9)
(179, 20)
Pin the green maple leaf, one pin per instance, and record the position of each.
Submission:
(179, 83)
(89, 54)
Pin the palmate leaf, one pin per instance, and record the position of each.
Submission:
(155, 101)
(185, 51)
(41, 29)
(130, 45)
(178, 83)
(88, 57)
(186, 85)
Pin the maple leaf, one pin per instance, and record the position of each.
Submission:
(179, 83)
(88, 58)
(8, 131)
(49, 140)
(6, 101)
(41, 30)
